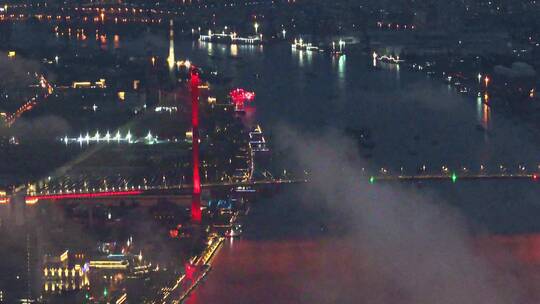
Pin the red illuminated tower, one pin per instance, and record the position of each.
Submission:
(196, 215)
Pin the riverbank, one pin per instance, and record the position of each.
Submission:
(195, 270)
(204, 263)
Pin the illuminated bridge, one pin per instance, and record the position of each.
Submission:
(46, 88)
(68, 189)
(179, 194)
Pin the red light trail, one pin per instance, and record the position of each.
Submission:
(83, 195)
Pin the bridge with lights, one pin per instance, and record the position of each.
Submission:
(123, 189)
(46, 90)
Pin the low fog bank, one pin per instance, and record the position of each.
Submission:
(401, 246)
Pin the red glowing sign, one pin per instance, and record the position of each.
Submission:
(240, 96)
(196, 214)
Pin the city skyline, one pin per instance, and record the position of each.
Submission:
(288, 151)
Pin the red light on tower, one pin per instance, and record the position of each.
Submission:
(196, 214)
(535, 177)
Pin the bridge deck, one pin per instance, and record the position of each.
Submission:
(186, 189)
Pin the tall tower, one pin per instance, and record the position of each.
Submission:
(170, 60)
(196, 215)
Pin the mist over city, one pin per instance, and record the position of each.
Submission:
(269, 151)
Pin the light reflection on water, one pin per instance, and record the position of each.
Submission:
(234, 50)
(303, 271)
(480, 110)
(116, 41)
(486, 115)
(209, 47)
(524, 248)
(483, 111)
(300, 56)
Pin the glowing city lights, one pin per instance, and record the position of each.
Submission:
(239, 97)
(118, 138)
(387, 58)
(231, 37)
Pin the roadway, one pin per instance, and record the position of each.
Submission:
(47, 89)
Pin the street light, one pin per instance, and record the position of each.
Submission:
(256, 26)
